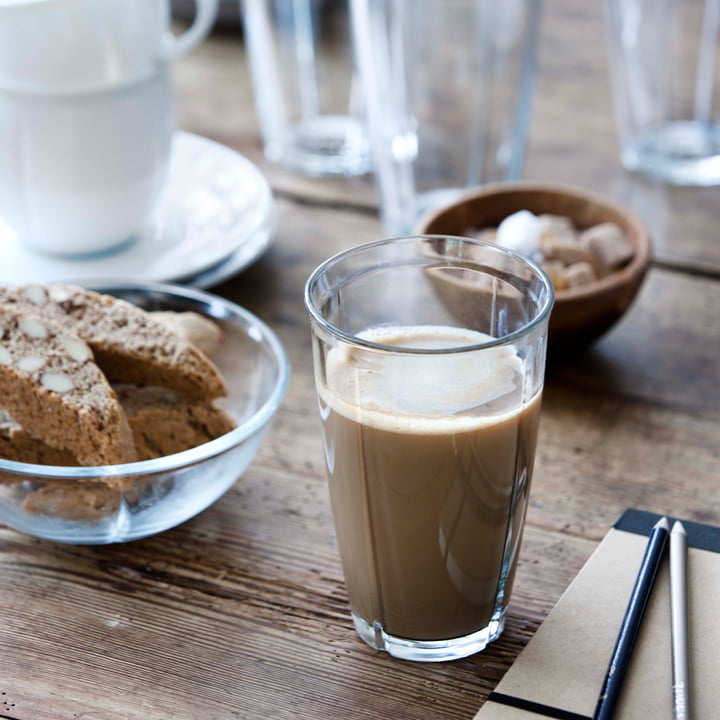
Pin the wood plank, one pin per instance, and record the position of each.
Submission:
(664, 352)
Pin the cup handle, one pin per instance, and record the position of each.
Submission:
(205, 14)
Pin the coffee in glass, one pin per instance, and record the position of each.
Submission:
(429, 360)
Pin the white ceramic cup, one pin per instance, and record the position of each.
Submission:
(86, 117)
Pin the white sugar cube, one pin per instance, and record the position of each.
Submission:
(520, 232)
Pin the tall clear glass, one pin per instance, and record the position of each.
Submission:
(429, 357)
(448, 86)
(309, 106)
(664, 68)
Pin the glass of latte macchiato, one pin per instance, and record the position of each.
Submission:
(429, 357)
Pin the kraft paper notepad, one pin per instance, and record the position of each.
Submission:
(560, 672)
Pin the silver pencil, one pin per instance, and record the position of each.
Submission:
(679, 622)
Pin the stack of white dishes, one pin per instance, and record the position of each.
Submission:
(215, 217)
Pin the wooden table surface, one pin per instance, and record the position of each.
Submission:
(242, 612)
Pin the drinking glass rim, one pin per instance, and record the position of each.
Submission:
(540, 317)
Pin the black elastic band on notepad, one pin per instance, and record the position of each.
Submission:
(700, 536)
(534, 707)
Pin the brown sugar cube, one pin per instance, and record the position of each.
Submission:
(581, 273)
(567, 251)
(609, 246)
(557, 272)
(556, 226)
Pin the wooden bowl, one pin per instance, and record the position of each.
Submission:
(580, 315)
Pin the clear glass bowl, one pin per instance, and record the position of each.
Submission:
(161, 493)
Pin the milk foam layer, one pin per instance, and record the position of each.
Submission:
(424, 392)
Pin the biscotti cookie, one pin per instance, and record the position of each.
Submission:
(164, 422)
(51, 387)
(19, 446)
(128, 344)
(73, 501)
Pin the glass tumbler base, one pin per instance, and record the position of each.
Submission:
(323, 145)
(679, 153)
(429, 650)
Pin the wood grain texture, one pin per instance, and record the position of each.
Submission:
(242, 611)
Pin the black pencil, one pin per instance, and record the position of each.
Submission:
(631, 622)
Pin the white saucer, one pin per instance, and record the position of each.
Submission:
(216, 207)
(233, 264)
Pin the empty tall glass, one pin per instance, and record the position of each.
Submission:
(665, 77)
(448, 85)
(307, 99)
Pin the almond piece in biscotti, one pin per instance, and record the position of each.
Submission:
(128, 344)
(57, 394)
